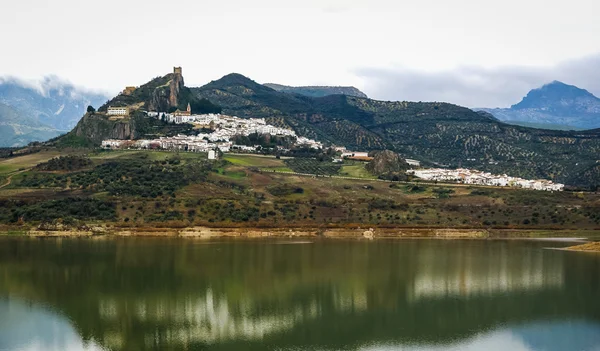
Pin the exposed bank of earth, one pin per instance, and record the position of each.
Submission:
(588, 247)
(299, 232)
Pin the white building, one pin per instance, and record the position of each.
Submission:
(413, 163)
(110, 144)
(117, 111)
(355, 154)
(212, 155)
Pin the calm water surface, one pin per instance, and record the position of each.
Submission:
(170, 294)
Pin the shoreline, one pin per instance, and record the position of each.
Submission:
(593, 247)
(368, 233)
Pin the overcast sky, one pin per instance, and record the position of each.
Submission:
(470, 52)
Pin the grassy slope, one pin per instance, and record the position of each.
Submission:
(235, 195)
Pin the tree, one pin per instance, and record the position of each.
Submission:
(91, 109)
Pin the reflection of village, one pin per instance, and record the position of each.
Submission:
(467, 176)
(211, 318)
(501, 274)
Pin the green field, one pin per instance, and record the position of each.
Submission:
(357, 171)
(312, 166)
(14, 164)
(152, 155)
(254, 160)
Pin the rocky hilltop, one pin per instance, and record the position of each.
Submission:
(556, 106)
(385, 162)
(317, 91)
(166, 93)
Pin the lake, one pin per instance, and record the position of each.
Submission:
(176, 294)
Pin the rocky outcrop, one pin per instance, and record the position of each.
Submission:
(97, 127)
(169, 95)
(175, 89)
(385, 162)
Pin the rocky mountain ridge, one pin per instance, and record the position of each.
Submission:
(317, 91)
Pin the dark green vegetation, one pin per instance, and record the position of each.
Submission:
(66, 210)
(264, 140)
(313, 166)
(435, 133)
(149, 188)
(65, 163)
(317, 91)
(138, 177)
(328, 295)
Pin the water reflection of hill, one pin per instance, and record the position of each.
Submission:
(155, 294)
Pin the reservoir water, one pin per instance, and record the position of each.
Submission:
(175, 294)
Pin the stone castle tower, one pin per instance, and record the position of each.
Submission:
(177, 70)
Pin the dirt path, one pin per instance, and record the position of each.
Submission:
(9, 178)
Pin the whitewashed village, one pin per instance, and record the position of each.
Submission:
(474, 177)
(225, 128)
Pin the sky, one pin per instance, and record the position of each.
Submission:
(476, 53)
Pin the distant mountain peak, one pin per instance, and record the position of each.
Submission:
(555, 105)
(235, 79)
(555, 95)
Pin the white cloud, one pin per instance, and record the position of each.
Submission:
(113, 43)
(475, 86)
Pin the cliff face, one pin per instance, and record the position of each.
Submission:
(168, 95)
(95, 128)
(176, 87)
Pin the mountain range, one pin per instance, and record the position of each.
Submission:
(554, 106)
(37, 112)
(317, 91)
(438, 134)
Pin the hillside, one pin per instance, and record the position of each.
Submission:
(317, 91)
(554, 106)
(159, 191)
(54, 103)
(18, 129)
(436, 133)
